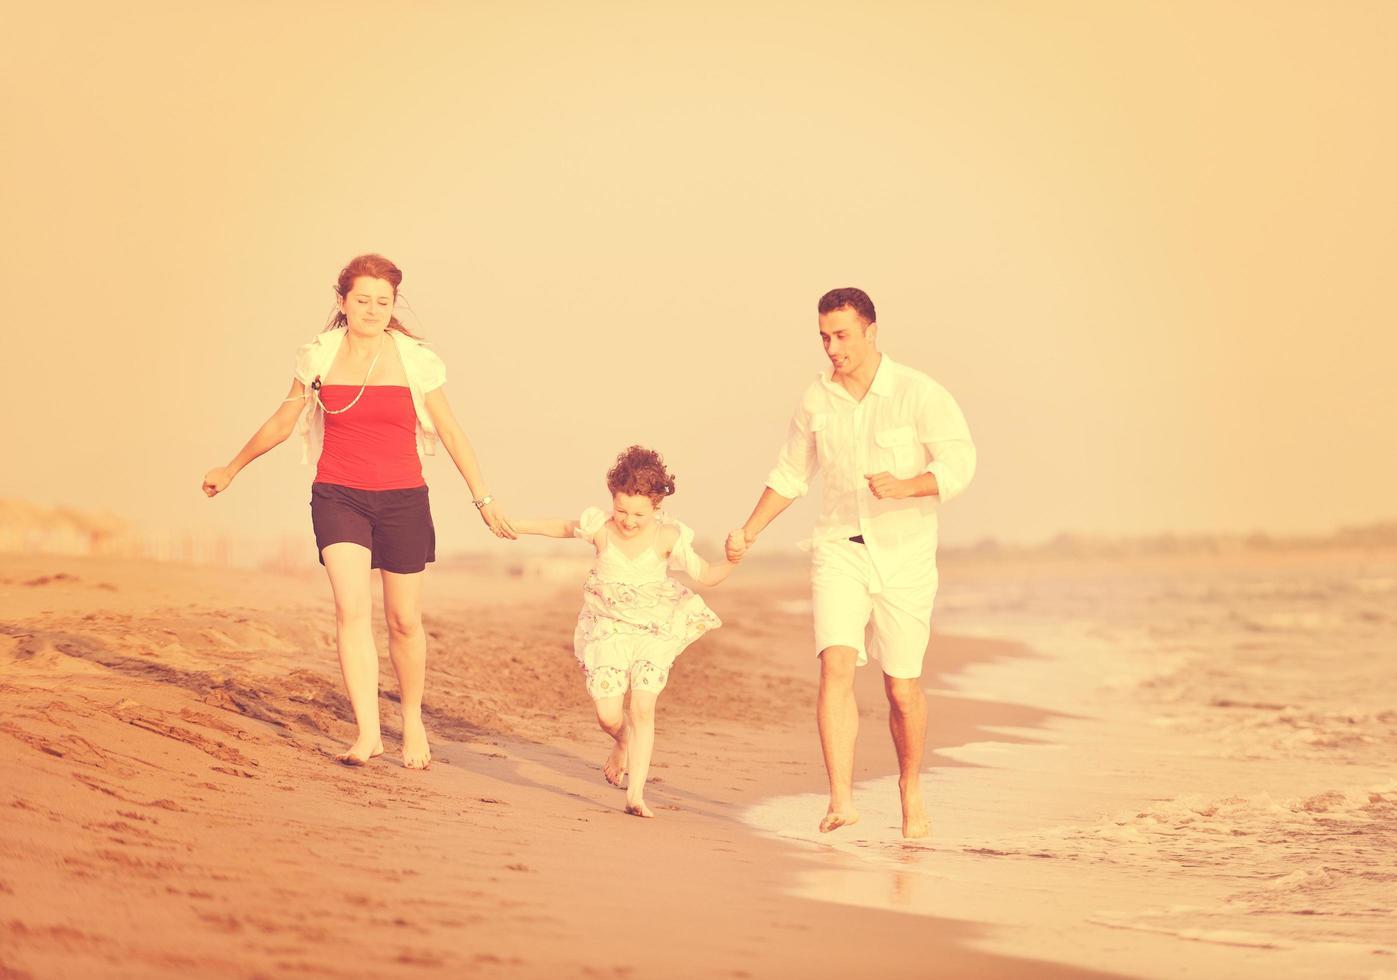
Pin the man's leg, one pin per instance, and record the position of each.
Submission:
(907, 720)
(838, 716)
(839, 587)
(901, 628)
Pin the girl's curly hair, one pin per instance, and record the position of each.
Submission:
(640, 472)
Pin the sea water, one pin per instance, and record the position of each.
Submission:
(1214, 793)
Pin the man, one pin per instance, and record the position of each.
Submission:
(892, 445)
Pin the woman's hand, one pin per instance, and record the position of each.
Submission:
(497, 523)
(216, 480)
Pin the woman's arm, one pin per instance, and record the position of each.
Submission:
(273, 433)
(462, 453)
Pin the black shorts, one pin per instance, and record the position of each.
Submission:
(395, 525)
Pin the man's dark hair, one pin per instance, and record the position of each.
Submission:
(850, 298)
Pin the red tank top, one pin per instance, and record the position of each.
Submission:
(373, 446)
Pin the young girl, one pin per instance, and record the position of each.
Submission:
(635, 619)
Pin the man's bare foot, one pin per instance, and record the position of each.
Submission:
(361, 751)
(914, 821)
(614, 768)
(837, 817)
(639, 809)
(417, 754)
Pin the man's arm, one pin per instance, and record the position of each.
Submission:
(885, 486)
(770, 506)
(795, 466)
(942, 429)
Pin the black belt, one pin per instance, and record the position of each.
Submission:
(857, 539)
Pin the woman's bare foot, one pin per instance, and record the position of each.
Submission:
(836, 817)
(417, 754)
(361, 751)
(614, 768)
(637, 808)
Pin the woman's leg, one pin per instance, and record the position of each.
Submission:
(641, 716)
(347, 564)
(407, 648)
(612, 720)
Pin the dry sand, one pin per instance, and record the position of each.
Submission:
(171, 807)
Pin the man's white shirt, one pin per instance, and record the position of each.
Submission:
(906, 425)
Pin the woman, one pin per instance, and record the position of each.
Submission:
(374, 395)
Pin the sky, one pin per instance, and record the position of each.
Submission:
(1148, 247)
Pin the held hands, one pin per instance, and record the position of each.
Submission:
(216, 481)
(885, 486)
(497, 523)
(736, 546)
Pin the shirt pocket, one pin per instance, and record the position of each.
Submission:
(899, 450)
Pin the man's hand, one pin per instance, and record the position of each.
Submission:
(885, 486)
(736, 546)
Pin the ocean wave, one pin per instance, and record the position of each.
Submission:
(1199, 830)
(1239, 728)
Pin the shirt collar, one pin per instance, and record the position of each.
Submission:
(882, 380)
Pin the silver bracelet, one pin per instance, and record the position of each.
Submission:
(483, 501)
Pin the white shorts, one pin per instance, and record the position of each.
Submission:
(855, 608)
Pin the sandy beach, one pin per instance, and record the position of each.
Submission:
(172, 807)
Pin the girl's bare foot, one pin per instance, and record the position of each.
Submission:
(639, 809)
(416, 752)
(836, 817)
(361, 751)
(614, 768)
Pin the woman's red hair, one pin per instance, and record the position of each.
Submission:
(375, 267)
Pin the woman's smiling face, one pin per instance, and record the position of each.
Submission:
(368, 306)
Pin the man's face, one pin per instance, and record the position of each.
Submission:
(848, 340)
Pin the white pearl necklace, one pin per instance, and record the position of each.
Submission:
(367, 375)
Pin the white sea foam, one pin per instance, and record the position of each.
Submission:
(1217, 783)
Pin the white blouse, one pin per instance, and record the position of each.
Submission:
(425, 372)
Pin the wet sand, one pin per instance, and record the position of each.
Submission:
(171, 805)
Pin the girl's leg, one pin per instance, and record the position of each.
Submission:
(612, 720)
(407, 647)
(347, 565)
(641, 715)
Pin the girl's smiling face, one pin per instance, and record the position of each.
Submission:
(632, 513)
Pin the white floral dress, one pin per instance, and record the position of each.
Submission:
(635, 619)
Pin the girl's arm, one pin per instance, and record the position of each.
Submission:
(553, 528)
(273, 433)
(701, 571)
(714, 574)
(462, 453)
